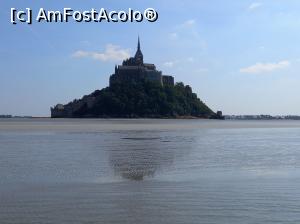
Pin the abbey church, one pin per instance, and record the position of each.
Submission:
(134, 70)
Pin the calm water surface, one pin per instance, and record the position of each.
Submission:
(149, 171)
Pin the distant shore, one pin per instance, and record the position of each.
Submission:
(226, 117)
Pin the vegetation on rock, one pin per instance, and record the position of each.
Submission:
(145, 99)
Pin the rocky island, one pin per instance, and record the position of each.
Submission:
(138, 90)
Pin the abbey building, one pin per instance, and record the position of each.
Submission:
(134, 70)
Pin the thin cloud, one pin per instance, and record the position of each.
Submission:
(262, 48)
(265, 67)
(173, 36)
(255, 5)
(169, 64)
(172, 64)
(188, 23)
(187, 34)
(190, 59)
(111, 53)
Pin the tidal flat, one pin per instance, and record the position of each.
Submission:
(149, 171)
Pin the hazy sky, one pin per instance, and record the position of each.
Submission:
(241, 57)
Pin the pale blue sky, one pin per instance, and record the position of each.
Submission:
(241, 57)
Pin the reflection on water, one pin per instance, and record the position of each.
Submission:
(149, 171)
(137, 156)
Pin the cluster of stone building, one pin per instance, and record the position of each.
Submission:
(69, 109)
(134, 69)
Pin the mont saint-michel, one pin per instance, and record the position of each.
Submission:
(137, 90)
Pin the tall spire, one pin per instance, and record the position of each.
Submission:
(139, 45)
(139, 55)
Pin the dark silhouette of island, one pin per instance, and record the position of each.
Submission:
(138, 90)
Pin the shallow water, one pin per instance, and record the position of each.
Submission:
(149, 171)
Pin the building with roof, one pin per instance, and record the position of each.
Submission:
(134, 69)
